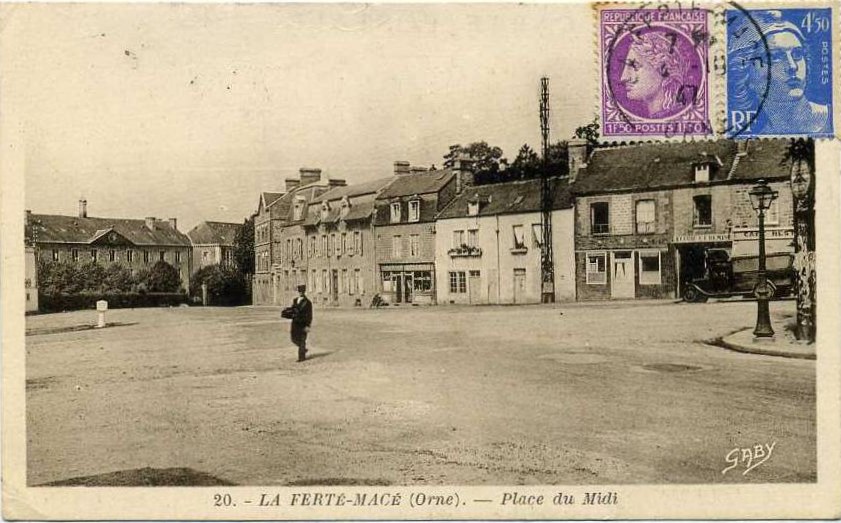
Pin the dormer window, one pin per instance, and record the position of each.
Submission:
(414, 210)
(702, 172)
(474, 204)
(345, 206)
(395, 212)
(298, 209)
(325, 210)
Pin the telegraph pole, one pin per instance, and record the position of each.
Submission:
(547, 263)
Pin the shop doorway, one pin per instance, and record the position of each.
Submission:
(519, 285)
(474, 286)
(622, 275)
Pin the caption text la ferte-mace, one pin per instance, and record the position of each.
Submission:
(416, 499)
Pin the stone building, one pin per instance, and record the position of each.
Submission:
(290, 257)
(405, 232)
(30, 279)
(213, 243)
(266, 221)
(275, 213)
(134, 243)
(340, 245)
(646, 214)
(488, 244)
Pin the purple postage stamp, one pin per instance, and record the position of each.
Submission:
(654, 73)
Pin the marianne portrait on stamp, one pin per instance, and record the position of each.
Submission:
(654, 74)
(786, 108)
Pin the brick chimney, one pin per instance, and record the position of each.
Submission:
(463, 168)
(150, 223)
(336, 182)
(83, 208)
(173, 222)
(292, 183)
(418, 169)
(577, 153)
(402, 167)
(309, 175)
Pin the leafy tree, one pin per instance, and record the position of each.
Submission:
(140, 281)
(526, 165)
(57, 276)
(225, 285)
(589, 132)
(486, 158)
(68, 277)
(800, 150)
(529, 165)
(558, 164)
(244, 254)
(244, 247)
(117, 278)
(163, 277)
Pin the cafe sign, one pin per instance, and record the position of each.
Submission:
(777, 233)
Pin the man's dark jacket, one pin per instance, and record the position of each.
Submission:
(303, 313)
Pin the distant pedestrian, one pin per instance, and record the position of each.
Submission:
(301, 321)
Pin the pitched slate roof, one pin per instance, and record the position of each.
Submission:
(763, 160)
(212, 233)
(417, 183)
(351, 191)
(270, 197)
(361, 197)
(652, 166)
(508, 198)
(306, 192)
(54, 228)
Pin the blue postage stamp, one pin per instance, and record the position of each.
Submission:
(779, 72)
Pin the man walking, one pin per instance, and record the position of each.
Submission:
(301, 321)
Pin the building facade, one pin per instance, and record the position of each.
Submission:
(646, 215)
(488, 244)
(213, 243)
(134, 243)
(266, 221)
(405, 232)
(278, 236)
(339, 245)
(290, 266)
(30, 279)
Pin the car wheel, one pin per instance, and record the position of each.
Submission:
(691, 295)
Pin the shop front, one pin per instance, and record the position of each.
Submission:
(692, 250)
(408, 283)
(696, 253)
(778, 240)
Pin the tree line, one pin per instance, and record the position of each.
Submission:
(490, 166)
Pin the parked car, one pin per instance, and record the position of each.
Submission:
(726, 276)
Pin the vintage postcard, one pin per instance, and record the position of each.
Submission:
(420, 261)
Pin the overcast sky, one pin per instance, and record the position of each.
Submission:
(191, 111)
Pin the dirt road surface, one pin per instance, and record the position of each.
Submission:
(562, 394)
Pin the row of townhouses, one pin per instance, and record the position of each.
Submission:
(627, 222)
(133, 243)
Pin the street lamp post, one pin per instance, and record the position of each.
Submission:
(761, 197)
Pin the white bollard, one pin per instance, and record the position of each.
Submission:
(101, 307)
